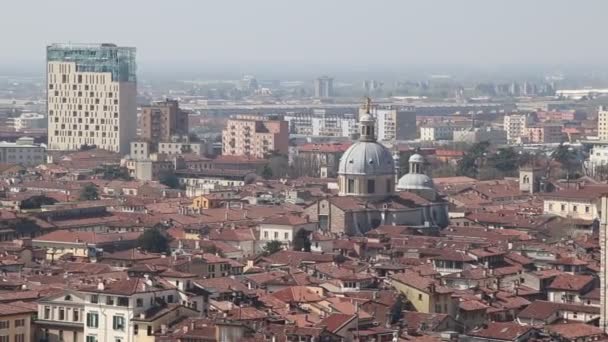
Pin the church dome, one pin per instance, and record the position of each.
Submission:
(416, 158)
(366, 158)
(415, 181)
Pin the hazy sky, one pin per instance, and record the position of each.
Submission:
(328, 32)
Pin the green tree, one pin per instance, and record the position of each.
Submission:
(153, 240)
(170, 180)
(566, 156)
(339, 259)
(35, 202)
(397, 309)
(505, 160)
(473, 159)
(89, 193)
(272, 247)
(266, 172)
(112, 172)
(301, 241)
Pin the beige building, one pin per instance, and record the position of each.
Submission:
(515, 126)
(23, 152)
(91, 93)
(255, 136)
(161, 121)
(16, 321)
(543, 134)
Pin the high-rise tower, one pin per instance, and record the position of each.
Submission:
(91, 94)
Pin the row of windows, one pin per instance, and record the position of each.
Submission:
(63, 105)
(574, 208)
(18, 338)
(276, 235)
(6, 324)
(371, 186)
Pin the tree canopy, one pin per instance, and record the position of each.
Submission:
(170, 180)
(301, 241)
(89, 193)
(112, 172)
(272, 247)
(153, 240)
(35, 202)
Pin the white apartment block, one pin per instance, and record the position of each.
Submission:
(515, 126)
(23, 152)
(436, 132)
(91, 95)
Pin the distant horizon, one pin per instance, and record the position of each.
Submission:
(336, 33)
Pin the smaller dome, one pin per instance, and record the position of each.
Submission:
(416, 158)
(415, 181)
(366, 117)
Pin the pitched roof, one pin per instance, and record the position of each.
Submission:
(297, 294)
(574, 331)
(569, 282)
(542, 310)
(336, 321)
(507, 331)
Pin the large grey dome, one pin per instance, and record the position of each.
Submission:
(415, 181)
(366, 158)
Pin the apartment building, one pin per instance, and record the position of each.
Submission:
(91, 95)
(161, 121)
(61, 317)
(393, 123)
(436, 132)
(515, 125)
(255, 136)
(320, 123)
(475, 135)
(602, 123)
(543, 134)
(15, 322)
(120, 311)
(24, 151)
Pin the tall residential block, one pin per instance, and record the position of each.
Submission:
(393, 122)
(515, 126)
(603, 210)
(91, 95)
(162, 120)
(255, 136)
(324, 87)
(602, 123)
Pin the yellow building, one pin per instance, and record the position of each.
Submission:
(16, 321)
(425, 294)
(80, 244)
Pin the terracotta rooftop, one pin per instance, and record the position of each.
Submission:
(568, 282)
(508, 331)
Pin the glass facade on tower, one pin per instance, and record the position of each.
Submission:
(119, 61)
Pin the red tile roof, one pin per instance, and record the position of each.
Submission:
(508, 331)
(569, 282)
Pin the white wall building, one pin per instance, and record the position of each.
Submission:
(28, 121)
(91, 96)
(24, 151)
(436, 132)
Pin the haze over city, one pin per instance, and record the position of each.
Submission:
(303, 171)
(317, 34)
